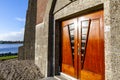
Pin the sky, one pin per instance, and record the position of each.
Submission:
(12, 19)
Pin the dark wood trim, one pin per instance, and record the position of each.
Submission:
(51, 41)
(57, 48)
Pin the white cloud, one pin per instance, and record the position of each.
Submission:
(12, 36)
(20, 19)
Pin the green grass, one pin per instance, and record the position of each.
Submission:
(8, 57)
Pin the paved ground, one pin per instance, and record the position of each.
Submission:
(49, 78)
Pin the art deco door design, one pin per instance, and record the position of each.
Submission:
(83, 47)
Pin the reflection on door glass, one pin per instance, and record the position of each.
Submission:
(71, 32)
(84, 32)
(84, 36)
(85, 23)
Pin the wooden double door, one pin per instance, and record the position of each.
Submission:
(83, 47)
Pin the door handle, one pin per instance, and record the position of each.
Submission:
(79, 50)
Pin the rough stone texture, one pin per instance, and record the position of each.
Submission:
(19, 70)
(112, 40)
(74, 7)
(41, 49)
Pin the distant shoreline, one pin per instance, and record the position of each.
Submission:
(11, 42)
(8, 54)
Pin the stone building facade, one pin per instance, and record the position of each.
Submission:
(42, 33)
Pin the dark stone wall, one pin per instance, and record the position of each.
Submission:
(28, 50)
(34, 16)
(29, 37)
(21, 53)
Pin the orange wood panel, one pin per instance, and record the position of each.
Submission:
(68, 70)
(94, 58)
(87, 75)
(68, 61)
(66, 47)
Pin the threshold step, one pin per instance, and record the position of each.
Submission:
(63, 76)
(67, 77)
(49, 78)
(60, 78)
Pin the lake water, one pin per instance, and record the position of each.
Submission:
(6, 48)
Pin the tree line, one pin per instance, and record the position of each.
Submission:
(7, 54)
(10, 42)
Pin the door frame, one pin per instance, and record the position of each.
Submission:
(57, 37)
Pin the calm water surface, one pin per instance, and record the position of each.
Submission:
(6, 48)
